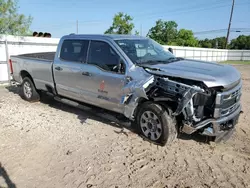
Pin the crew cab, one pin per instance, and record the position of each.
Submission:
(137, 78)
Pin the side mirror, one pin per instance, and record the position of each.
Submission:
(121, 67)
(170, 50)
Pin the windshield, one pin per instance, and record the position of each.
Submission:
(144, 51)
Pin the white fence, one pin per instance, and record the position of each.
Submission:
(209, 54)
(10, 45)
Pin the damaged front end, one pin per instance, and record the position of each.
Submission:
(135, 92)
(210, 111)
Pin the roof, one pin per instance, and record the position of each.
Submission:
(104, 36)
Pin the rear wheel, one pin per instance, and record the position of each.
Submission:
(156, 124)
(29, 91)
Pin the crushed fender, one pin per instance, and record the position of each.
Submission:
(133, 91)
(188, 95)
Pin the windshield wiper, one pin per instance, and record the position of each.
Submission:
(152, 62)
(175, 59)
(143, 65)
(151, 68)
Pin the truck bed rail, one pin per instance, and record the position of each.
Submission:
(42, 55)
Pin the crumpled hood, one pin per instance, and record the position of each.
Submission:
(211, 74)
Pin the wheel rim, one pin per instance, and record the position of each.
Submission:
(151, 125)
(27, 89)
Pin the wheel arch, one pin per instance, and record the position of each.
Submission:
(24, 74)
(166, 104)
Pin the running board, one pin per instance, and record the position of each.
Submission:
(71, 103)
(107, 116)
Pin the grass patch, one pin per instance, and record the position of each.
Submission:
(236, 62)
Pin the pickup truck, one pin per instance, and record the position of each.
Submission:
(135, 77)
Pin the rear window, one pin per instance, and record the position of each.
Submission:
(74, 50)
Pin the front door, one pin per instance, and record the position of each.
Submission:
(107, 80)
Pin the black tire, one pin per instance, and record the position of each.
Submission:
(168, 124)
(32, 95)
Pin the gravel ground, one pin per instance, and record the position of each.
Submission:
(48, 144)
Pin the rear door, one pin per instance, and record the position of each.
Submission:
(69, 68)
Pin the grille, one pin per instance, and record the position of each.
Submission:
(227, 102)
(229, 110)
(232, 95)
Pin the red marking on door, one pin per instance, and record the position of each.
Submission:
(102, 86)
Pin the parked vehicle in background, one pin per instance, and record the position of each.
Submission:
(134, 76)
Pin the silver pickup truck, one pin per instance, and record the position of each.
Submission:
(136, 78)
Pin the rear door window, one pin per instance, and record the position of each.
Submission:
(74, 50)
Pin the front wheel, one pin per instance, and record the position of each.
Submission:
(29, 92)
(156, 123)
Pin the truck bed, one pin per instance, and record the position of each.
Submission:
(37, 65)
(42, 55)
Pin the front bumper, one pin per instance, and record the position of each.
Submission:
(215, 127)
(222, 125)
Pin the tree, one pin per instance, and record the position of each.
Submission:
(218, 43)
(164, 32)
(11, 22)
(122, 24)
(242, 42)
(186, 38)
(137, 32)
(206, 43)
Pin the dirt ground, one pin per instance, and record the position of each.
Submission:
(48, 144)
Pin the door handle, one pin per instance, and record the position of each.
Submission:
(86, 74)
(59, 68)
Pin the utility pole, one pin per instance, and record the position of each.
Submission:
(229, 25)
(76, 26)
